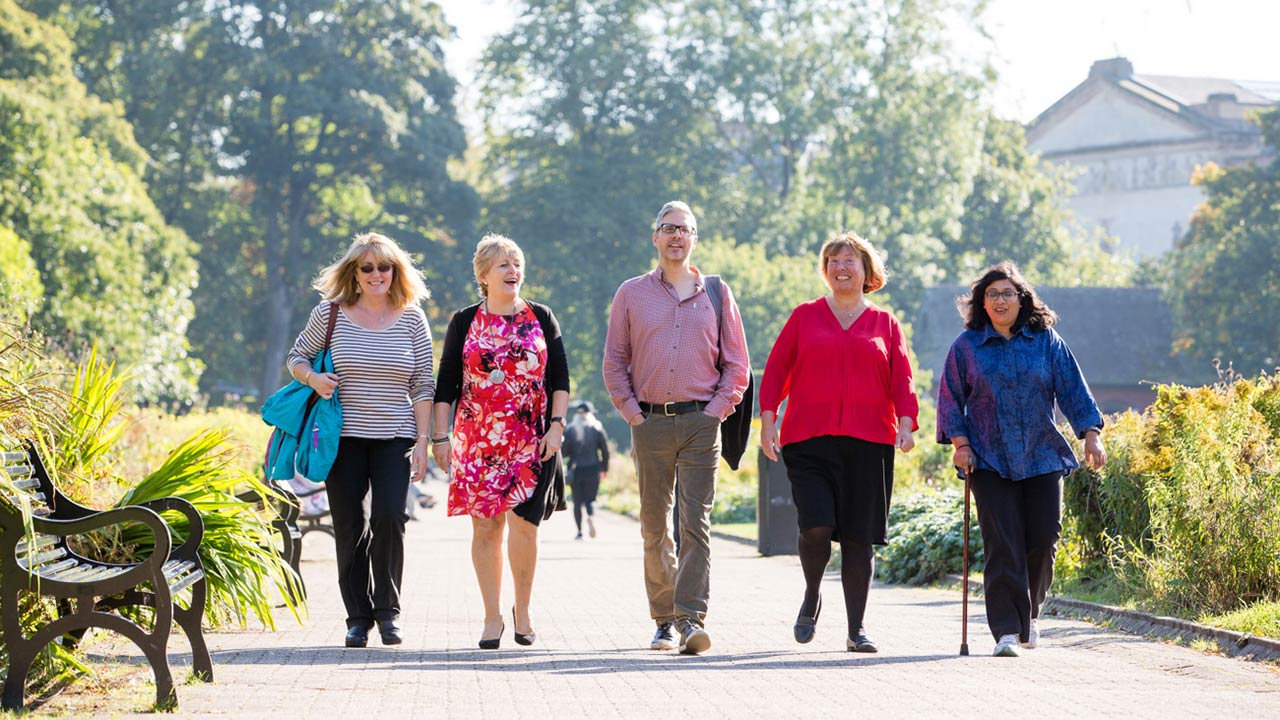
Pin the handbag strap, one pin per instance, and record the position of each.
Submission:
(333, 320)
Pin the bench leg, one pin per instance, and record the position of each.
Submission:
(15, 683)
(189, 620)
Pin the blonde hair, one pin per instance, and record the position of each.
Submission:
(338, 282)
(872, 266)
(488, 250)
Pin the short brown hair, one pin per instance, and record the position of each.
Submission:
(872, 266)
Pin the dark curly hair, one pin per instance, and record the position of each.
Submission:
(1032, 312)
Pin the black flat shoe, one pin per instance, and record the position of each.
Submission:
(358, 636)
(521, 639)
(805, 625)
(391, 632)
(861, 643)
(495, 643)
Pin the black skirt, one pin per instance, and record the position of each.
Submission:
(842, 482)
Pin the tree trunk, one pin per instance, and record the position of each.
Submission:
(279, 308)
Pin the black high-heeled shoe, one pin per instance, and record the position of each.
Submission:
(806, 625)
(495, 643)
(521, 639)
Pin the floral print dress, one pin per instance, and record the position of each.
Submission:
(500, 415)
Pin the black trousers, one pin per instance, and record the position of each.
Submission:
(1021, 522)
(586, 486)
(370, 547)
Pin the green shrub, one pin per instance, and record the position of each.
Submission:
(1185, 512)
(926, 539)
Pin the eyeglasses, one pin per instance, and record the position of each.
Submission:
(382, 268)
(1005, 295)
(669, 229)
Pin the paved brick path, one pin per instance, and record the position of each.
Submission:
(591, 658)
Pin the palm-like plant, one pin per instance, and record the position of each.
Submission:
(241, 564)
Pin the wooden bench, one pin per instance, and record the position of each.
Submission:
(89, 592)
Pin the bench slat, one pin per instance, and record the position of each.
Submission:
(12, 457)
(173, 568)
(185, 582)
(42, 559)
(19, 471)
(49, 571)
(42, 541)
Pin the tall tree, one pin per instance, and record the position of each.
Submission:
(330, 116)
(590, 134)
(111, 271)
(1016, 211)
(1225, 279)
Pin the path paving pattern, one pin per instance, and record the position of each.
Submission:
(591, 659)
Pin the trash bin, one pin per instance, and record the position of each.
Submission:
(775, 510)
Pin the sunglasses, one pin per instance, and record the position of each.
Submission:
(382, 268)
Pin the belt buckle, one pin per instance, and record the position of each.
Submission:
(666, 409)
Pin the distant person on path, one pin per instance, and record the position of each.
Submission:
(843, 365)
(504, 366)
(382, 361)
(586, 452)
(674, 378)
(1001, 380)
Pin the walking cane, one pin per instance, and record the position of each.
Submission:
(964, 605)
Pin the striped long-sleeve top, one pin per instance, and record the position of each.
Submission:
(383, 372)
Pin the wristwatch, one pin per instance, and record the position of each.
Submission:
(559, 420)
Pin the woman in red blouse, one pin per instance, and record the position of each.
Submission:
(842, 365)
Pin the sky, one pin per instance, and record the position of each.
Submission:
(1041, 49)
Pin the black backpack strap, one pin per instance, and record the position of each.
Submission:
(713, 294)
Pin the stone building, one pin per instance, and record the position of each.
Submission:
(1135, 141)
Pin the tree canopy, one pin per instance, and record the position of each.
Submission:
(1225, 273)
(110, 269)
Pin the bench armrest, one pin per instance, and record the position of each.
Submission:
(195, 524)
(108, 518)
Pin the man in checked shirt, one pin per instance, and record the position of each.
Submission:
(675, 370)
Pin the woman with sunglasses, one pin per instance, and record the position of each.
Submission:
(996, 399)
(382, 360)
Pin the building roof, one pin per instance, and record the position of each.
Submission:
(1212, 104)
(1120, 336)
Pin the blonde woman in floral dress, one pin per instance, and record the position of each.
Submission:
(504, 383)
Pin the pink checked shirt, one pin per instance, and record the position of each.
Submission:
(661, 349)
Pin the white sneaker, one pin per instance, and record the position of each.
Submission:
(591, 526)
(1007, 647)
(1033, 636)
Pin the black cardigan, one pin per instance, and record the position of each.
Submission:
(549, 494)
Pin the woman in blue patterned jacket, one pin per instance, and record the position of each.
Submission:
(1002, 378)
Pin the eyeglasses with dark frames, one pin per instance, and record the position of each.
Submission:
(1005, 295)
(670, 229)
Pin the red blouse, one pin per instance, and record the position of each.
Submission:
(854, 382)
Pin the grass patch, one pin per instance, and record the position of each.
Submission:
(1261, 618)
(750, 530)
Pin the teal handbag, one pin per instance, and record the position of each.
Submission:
(307, 426)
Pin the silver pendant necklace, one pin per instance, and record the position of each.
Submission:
(496, 376)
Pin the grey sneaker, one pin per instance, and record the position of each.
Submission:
(693, 639)
(1007, 647)
(1033, 636)
(664, 638)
